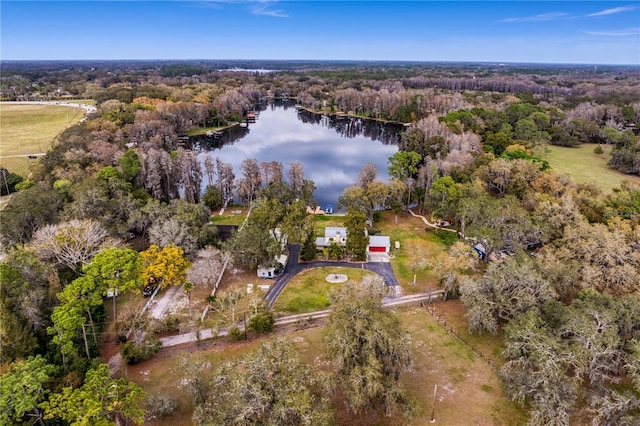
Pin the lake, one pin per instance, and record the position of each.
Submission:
(332, 150)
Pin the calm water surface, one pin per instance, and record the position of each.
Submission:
(331, 150)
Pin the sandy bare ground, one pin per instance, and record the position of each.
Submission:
(162, 304)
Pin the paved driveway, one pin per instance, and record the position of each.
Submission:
(294, 267)
(378, 257)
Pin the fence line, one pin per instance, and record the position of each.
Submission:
(224, 268)
(476, 351)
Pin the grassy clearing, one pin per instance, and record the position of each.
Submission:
(584, 166)
(453, 313)
(233, 215)
(309, 290)
(469, 391)
(322, 221)
(410, 227)
(31, 129)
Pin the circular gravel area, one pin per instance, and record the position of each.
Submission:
(337, 278)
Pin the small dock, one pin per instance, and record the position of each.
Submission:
(215, 134)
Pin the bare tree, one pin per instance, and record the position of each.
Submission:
(209, 168)
(172, 231)
(207, 266)
(225, 181)
(296, 178)
(191, 175)
(250, 182)
(72, 244)
(427, 174)
(272, 171)
(368, 173)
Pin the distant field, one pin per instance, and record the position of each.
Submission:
(31, 129)
(584, 166)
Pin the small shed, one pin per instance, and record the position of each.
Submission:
(273, 271)
(379, 244)
(267, 272)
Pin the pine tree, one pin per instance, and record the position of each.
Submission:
(308, 251)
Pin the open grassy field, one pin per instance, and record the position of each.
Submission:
(31, 129)
(469, 390)
(584, 166)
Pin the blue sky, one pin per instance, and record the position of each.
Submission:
(503, 31)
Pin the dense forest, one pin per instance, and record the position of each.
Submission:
(565, 297)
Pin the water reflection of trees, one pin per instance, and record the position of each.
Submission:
(229, 136)
(347, 127)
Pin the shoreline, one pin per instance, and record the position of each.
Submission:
(347, 115)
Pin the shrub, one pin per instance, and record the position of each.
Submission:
(598, 150)
(168, 324)
(235, 334)
(212, 197)
(374, 231)
(262, 322)
(160, 405)
(134, 352)
(24, 185)
(8, 181)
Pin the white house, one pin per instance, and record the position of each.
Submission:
(338, 235)
(332, 234)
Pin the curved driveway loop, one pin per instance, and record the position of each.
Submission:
(294, 267)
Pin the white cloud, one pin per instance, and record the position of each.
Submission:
(263, 8)
(257, 7)
(537, 18)
(614, 11)
(616, 33)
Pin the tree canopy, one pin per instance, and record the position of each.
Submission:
(164, 267)
(269, 386)
(369, 349)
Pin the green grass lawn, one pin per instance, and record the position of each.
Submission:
(410, 227)
(233, 215)
(30, 129)
(584, 166)
(309, 290)
(324, 220)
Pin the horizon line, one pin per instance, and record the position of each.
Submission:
(493, 62)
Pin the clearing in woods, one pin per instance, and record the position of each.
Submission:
(28, 129)
(584, 166)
